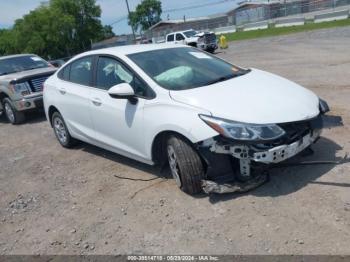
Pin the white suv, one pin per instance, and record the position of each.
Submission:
(209, 120)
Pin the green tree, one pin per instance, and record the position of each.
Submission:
(7, 39)
(61, 28)
(146, 14)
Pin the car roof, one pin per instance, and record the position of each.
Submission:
(181, 31)
(131, 49)
(13, 56)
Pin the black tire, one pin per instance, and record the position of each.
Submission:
(211, 50)
(188, 165)
(13, 116)
(61, 131)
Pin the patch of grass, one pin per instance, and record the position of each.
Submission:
(275, 31)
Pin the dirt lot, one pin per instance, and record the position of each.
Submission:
(58, 201)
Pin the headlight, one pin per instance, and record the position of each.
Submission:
(22, 88)
(243, 131)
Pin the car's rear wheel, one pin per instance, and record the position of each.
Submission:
(185, 165)
(14, 117)
(61, 131)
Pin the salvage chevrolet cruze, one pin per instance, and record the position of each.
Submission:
(218, 126)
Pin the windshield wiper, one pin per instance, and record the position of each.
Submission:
(224, 78)
(220, 79)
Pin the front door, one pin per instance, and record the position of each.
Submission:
(118, 122)
(179, 39)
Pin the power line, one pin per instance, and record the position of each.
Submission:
(122, 18)
(119, 20)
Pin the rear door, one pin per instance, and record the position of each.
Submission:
(170, 38)
(73, 97)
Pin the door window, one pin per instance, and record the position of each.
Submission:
(111, 72)
(64, 73)
(170, 38)
(81, 71)
(179, 37)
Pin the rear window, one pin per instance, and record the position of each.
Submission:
(21, 63)
(170, 38)
(81, 71)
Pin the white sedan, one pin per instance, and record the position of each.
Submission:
(211, 121)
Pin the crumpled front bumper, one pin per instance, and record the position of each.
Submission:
(283, 152)
(210, 186)
(204, 46)
(250, 161)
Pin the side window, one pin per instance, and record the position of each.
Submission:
(179, 37)
(81, 71)
(111, 72)
(140, 88)
(64, 73)
(170, 38)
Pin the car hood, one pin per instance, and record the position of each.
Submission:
(192, 38)
(27, 74)
(257, 97)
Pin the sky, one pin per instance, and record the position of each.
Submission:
(115, 10)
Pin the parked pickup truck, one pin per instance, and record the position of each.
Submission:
(205, 40)
(187, 37)
(21, 84)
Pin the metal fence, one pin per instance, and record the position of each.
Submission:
(283, 9)
(252, 13)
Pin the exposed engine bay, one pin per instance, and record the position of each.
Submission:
(236, 166)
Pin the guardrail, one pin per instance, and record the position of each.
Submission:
(338, 15)
(256, 26)
(225, 29)
(289, 21)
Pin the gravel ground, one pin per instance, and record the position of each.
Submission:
(59, 201)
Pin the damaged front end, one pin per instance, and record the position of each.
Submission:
(239, 165)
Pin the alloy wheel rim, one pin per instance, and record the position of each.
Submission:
(60, 130)
(9, 113)
(174, 166)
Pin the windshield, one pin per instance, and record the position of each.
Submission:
(21, 63)
(184, 68)
(190, 33)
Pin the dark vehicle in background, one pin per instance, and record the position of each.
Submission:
(21, 85)
(57, 63)
(207, 41)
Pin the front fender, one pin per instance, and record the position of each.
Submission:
(175, 117)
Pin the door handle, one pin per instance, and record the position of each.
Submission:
(62, 90)
(96, 101)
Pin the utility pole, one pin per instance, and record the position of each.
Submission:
(132, 28)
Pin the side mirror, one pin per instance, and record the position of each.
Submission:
(121, 91)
